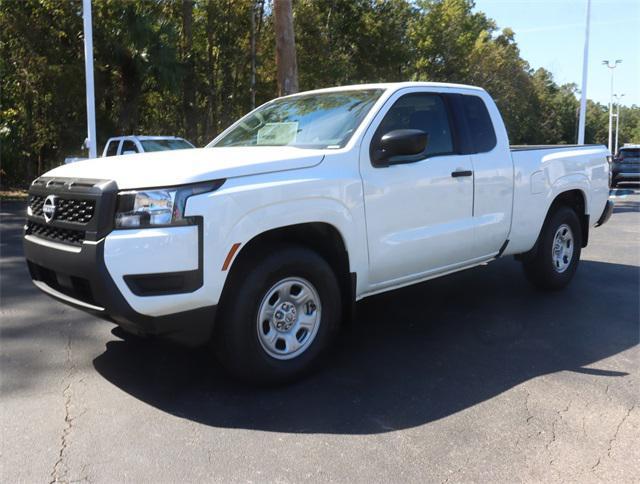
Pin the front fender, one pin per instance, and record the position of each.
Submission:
(308, 210)
(235, 215)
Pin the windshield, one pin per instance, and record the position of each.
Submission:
(322, 120)
(165, 144)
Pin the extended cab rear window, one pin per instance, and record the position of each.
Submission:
(480, 125)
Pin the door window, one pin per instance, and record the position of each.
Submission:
(424, 111)
(112, 149)
(128, 145)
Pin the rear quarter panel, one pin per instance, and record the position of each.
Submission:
(540, 175)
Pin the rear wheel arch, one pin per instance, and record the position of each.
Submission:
(576, 200)
(552, 263)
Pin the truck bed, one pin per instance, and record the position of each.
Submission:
(541, 171)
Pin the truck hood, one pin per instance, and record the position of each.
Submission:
(167, 168)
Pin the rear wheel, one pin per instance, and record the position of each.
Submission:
(553, 262)
(277, 321)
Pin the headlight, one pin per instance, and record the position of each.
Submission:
(158, 206)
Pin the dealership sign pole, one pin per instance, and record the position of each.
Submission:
(583, 93)
(611, 67)
(88, 68)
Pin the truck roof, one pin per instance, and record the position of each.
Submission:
(391, 85)
(142, 137)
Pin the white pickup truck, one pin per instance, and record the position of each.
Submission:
(261, 242)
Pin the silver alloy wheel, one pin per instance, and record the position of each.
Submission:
(288, 318)
(562, 251)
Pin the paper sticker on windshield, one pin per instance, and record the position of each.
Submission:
(277, 133)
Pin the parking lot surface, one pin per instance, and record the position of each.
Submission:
(472, 377)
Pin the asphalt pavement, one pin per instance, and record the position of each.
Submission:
(472, 377)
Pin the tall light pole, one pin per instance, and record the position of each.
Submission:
(88, 71)
(583, 93)
(618, 98)
(611, 67)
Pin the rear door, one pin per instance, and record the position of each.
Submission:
(419, 214)
(493, 173)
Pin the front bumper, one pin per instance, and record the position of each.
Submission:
(80, 279)
(77, 273)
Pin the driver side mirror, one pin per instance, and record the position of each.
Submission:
(400, 146)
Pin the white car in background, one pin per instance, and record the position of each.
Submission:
(130, 145)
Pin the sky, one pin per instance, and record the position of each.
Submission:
(550, 34)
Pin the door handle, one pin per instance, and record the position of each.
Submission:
(459, 173)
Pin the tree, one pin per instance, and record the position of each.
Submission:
(42, 78)
(358, 41)
(443, 35)
(188, 60)
(495, 65)
(286, 61)
(185, 68)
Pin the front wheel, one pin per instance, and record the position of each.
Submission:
(279, 318)
(553, 262)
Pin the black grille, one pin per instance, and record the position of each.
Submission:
(55, 234)
(35, 204)
(67, 209)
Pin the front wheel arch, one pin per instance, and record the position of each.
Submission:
(321, 237)
(236, 342)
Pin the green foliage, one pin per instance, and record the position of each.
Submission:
(182, 67)
(352, 41)
(42, 75)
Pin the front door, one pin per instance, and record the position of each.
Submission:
(419, 215)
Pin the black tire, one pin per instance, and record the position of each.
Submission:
(236, 339)
(539, 265)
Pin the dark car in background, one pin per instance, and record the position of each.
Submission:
(626, 166)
